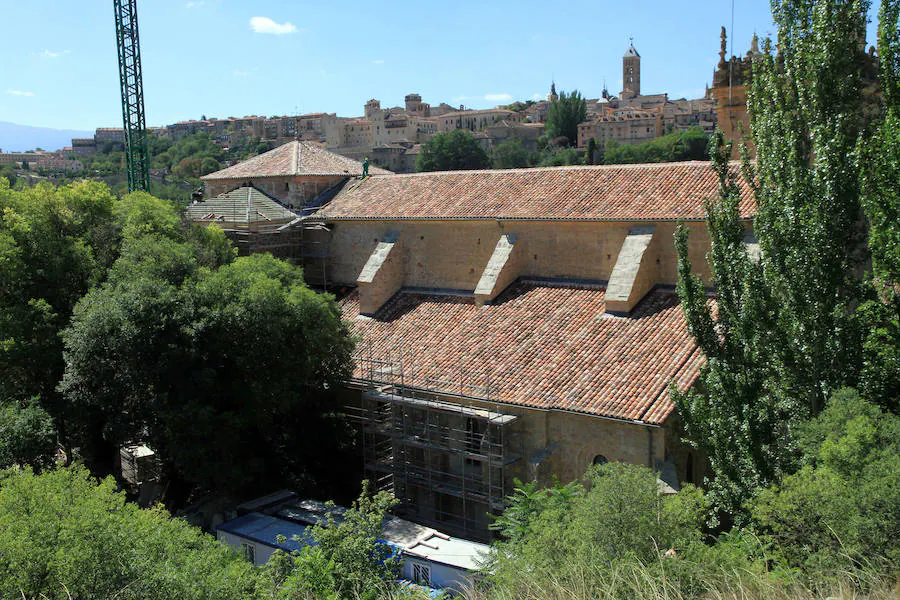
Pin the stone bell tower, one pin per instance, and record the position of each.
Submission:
(631, 72)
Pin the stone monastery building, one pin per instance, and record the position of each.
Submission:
(512, 324)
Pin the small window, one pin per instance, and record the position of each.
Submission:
(421, 574)
(600, 460)
(249, 552)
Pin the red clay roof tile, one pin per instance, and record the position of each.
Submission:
(539, 345)
(666, 191)
(294, 158)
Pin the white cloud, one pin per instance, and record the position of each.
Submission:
(498, 97)
(378, 61)
(50, 54)
(20, 93)
(267, 25)
(194, 4)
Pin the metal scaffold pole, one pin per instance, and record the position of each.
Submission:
(137, 153)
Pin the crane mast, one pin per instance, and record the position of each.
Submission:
(137, 154)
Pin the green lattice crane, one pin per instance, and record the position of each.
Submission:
(137, 153)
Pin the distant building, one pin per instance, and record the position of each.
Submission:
(84, 146)
(625, 126)
(475, 120)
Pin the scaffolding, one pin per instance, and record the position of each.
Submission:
(444, 461)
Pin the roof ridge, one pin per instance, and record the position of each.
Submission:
(660, 165)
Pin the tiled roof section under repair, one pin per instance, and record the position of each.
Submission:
(540, 345)
(243, 206)
(294, 158)
(655, 192)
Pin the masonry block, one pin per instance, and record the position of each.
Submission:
(382, 275)
(636, 270)
(502, 268)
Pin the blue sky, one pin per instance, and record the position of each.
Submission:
(230, 58)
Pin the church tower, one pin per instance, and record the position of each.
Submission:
(631, 72)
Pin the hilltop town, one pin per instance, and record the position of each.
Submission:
(392, 137)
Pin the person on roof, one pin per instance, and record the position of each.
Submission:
(365, 167)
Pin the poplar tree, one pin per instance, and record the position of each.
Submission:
(880, 377)
(782, 333)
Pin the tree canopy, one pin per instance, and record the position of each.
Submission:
(565, 113)
(66, 536)
(784, 334)
(452, 151)
(244, 354)
(677, 146)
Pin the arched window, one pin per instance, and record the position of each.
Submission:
(600, 460)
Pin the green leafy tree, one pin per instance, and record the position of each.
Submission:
(348, 554)
(455, 150)
(511, 155)
(67, 536)
(590, 152)
(8, 172)
(880, 377)
(528, 502)
(845, 501)
(785, 334)
(54, 244)
(558, 157)
(178, 355)
(564, 115)
(568, 534)
(27, 435)
(682, 145)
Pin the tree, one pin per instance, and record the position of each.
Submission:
(67, 536)
(591, 151)
(575, 536)
(785, 335)
(880, 314)
(178, 355)
(845, 501)
(564, 115)
(511, 155)
(27, 435)
(455, 150)
(54, 244)
(362, 565)
(682, 145)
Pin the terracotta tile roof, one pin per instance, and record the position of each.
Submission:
(294, 158)
(539, 345)
(657, 192)
(243, 206)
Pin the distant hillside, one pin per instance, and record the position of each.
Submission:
(19, 138)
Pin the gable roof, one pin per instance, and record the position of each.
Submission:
(539, 345)
(243, 206)
(291, 159)
(649, 192)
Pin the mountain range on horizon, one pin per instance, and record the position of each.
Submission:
(20, 138)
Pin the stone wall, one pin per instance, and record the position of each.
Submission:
(294, 191)
(454, 254)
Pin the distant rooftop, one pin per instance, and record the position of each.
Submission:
(293, 158)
